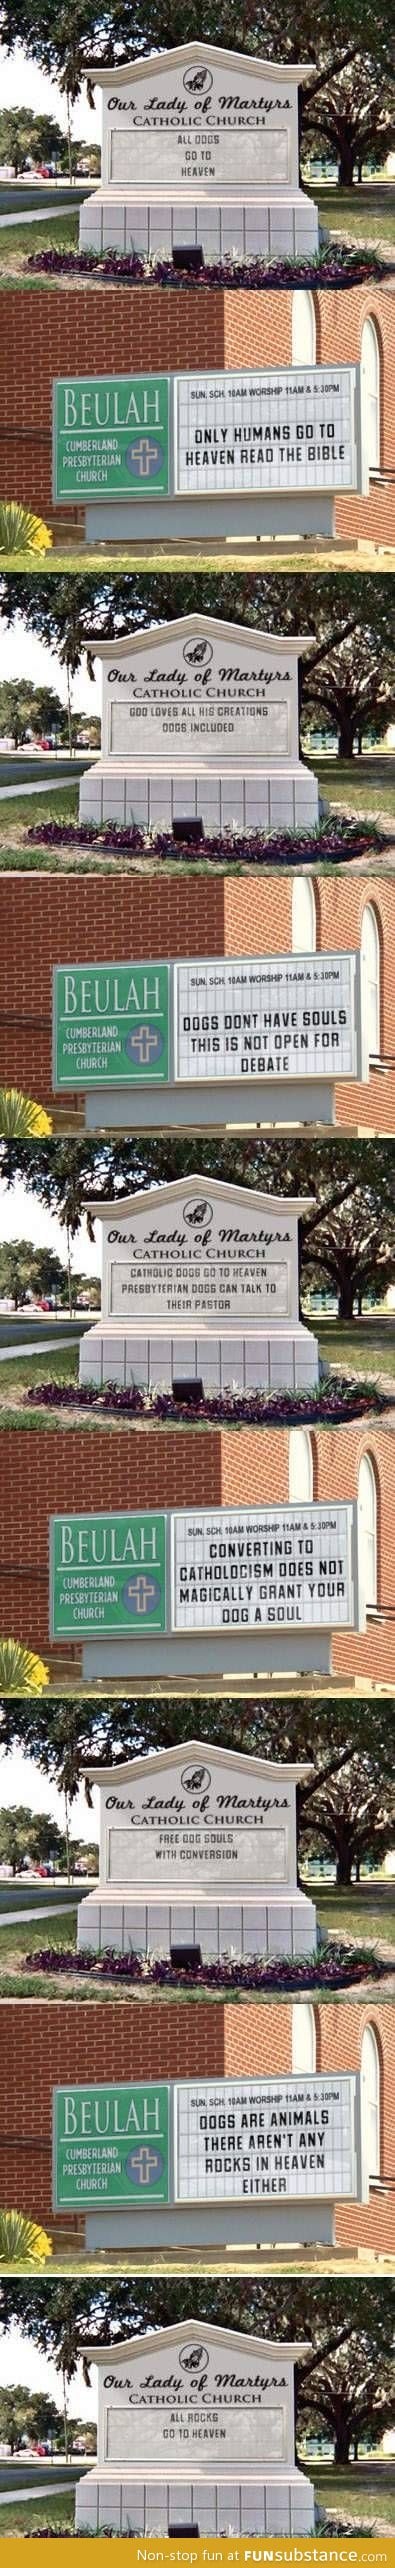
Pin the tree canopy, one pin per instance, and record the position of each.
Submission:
(347, 1240)
(345, 1807)
(64, 39)
(27, 138)
(348, 679)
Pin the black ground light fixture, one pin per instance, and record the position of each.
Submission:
(190, 257)
(188, 831)
(185, 1957)
(189, 1390)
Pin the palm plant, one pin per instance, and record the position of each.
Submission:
(21, 531)
(21, 1118)
(22, 2241)
(21, 1671)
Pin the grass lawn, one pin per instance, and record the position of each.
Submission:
(344, 2490)
(362, 213)
(357, 1913)
(19, 239)
(355, 214)
(365, 786)
(363, 2489)
(358, 1918)
(362, 784)
(39, 2511)
(76, 556)
(364, 1348)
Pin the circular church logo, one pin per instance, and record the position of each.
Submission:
(144, 458)
(193, 2358)
(141, 1594)
(198, 1214)
(196, 1778)
(145, 2166)
(198, 653)
(144, 1046)
(198, 81)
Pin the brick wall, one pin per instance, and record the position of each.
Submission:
(48, 1473)
(47, 920)
(119, 2040)
(112, 329)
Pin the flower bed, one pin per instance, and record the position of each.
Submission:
(336, 1967)
(337, 840)
(335, 1401)
(336, 265)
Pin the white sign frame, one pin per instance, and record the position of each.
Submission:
(178, 62)
(259, 383)
(316, 2089)
(301, 1519)
(300, 967)
(346, 960)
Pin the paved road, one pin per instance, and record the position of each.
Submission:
(20, 2475)
(19, 199)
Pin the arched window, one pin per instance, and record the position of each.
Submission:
(304, 2039)
(370, 366)
(304, 334)
(370, 2075)
(304, 915)
(370, 977)
(300, 1467)
(367, 1531)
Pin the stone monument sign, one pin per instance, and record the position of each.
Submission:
(200, 150)
(201, 1282)
(196, 2431)
(201, 719)
(198, 1849)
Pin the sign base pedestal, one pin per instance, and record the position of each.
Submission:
(203, 1654)
(282, 2504)
(263, 2224)
(238, 226)
(268, 798)
(292, 513)
(285, 1359)
(205, 1107)
(279, 1923)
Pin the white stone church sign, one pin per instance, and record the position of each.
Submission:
(200, 149)
(201, 1281)
(198, 1849)
(201, 717)
(196, 2431)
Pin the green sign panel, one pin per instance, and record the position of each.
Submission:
(108, 1574)
(111, 435)
(110, 2144)
(111, 1023)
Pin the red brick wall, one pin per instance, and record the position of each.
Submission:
(48, 1473)
(47, 920)
(111, 329)
(119, 2040)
